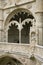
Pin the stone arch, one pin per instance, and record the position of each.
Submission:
(13, 12)
(10, 60)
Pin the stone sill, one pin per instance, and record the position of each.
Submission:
(6, 43)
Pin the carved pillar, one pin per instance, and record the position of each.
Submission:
(1, 26)
(6, 36)
(33, 33)
(39, 21)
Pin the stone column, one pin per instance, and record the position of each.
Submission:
(39, 21)
(1, 26)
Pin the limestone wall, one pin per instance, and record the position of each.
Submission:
(23, 52)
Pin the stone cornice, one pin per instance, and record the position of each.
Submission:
(17, 5)
(38, 12)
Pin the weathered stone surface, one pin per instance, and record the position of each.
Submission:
(23, 11)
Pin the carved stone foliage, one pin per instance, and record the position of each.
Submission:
(33, 37)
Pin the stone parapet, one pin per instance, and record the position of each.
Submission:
(23, 52)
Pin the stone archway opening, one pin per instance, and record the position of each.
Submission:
(9, 61)
(13, 34)
(19, 29)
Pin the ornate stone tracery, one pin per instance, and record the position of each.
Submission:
(17, 22)
(21, 18)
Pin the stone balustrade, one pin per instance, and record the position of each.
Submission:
(23, 49)
(14, 48)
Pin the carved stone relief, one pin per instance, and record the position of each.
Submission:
(33, 36)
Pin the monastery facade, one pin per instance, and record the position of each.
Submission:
(21, 32)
